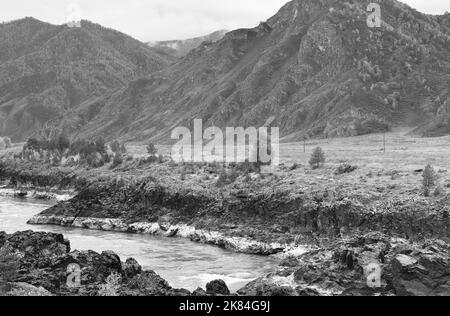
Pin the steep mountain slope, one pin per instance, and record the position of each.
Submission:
(180, 48)
(47, 71)
(315, 69)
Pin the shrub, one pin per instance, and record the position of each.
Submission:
(295, 166)
(223, 179)
(345, 168)
(62, 143)
(115, 146)
(226, 178)
(429, 179)
(151, 149)
(317, 158)
(118, 160)
(112, 285)
(438, 191)
(7, 141)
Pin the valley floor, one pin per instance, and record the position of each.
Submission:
(376, 214)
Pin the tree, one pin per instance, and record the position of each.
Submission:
(115, 146)
(118, 160)
(429, 179)
(33, 144)
(123, 149)
(63, 143)
(7, 141)
(317, 158)
(100, 145)
(151, 149)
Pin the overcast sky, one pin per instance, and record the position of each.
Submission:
(150, 20)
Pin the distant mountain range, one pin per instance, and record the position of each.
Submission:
(315, 69)
(47, 72)
(180, 48)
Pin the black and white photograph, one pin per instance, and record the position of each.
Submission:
(224, 156)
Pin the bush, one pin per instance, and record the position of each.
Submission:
(115, 146)
(345, 168)
(112, 285)
(62, 143)
(7, 141)
(151, 149)
(226, 178)
(223, 179)
(317, 158)
(118, 160)
(429, 180)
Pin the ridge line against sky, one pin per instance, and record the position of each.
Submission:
(153, 20)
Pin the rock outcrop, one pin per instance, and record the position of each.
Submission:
(367, 265)
(217, 287)
(46, 266)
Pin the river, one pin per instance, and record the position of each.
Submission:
(184, 264)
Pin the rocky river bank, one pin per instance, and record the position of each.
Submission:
(38, 264)
(332, 244)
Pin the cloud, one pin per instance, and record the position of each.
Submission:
(150, 20)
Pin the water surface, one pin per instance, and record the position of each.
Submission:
(184, 264)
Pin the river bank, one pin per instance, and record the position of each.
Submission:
(43, 264)
(257, 214)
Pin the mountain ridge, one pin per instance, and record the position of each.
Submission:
(46, 70)
(180, 48)
(315, 67)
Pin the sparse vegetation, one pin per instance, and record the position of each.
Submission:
(345, 168)
(118, 160)
(317, 158)
(429, 180)
(151, 149)
(112, 285)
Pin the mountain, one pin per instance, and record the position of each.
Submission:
(315, 69)
(180, 48)
(48, 71)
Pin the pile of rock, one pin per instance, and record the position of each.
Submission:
(372, 264)
(44, 262)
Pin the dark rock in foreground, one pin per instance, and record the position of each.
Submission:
(43, 259)
(217, 287)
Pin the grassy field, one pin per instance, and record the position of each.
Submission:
(403, 152)
(379, 175)
(391, 174)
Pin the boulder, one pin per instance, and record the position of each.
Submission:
(217, 287)
(131, 268)
(24, 289)
(422, 274)
(44, 259)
